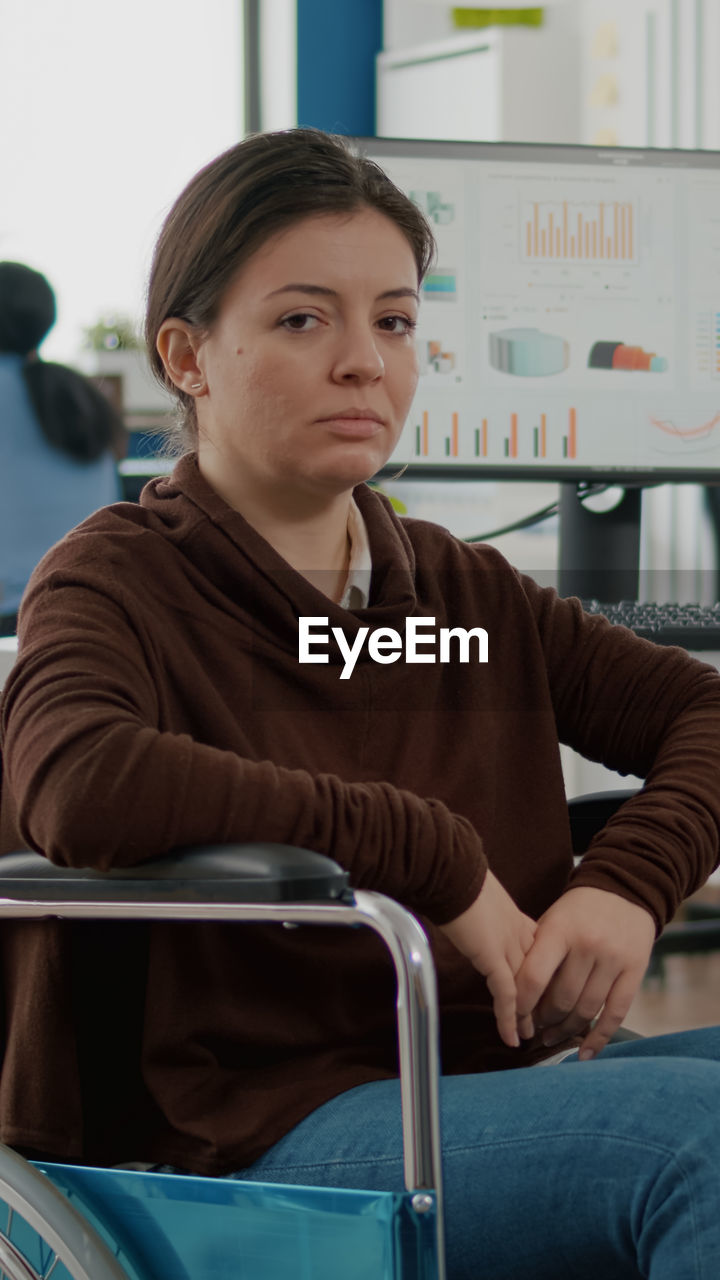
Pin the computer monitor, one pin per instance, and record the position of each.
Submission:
(570, 329)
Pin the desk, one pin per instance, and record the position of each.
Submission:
(135, 473)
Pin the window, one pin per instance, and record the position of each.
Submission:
(107, 110)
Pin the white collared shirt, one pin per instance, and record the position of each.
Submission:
(356, 593)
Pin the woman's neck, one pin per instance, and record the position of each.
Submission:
(317, 546)
(308, 530)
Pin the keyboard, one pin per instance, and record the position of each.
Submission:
(694, 626)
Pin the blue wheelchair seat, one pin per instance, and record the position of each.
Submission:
(177, 1227)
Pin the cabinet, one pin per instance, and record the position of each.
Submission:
(515, 84)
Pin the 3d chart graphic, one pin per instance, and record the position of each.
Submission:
(619, 355)
(434, 206)
(528, 353)
(434, 359)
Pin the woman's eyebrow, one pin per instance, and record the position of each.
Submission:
(401, 292)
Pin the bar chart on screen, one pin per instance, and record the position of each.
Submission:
(588, 232)
(434, 435)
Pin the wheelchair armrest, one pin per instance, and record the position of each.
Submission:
(243, 873)
(589, 814)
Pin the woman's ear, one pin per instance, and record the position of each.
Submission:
(177, 345)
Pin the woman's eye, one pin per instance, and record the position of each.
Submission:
(398, 324)
(299, 322)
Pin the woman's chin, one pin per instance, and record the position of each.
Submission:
(353, 468)
(346, 480)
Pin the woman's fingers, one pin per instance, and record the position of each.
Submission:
(574, 997)
(526, 1026)
(501, 984)
(615, 1010)
(503, 988)
(590, 952)
(537, 970)
(495, 936)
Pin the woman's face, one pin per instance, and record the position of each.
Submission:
(310, 368)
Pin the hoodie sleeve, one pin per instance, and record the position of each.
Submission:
(648, 710)
(94, 782)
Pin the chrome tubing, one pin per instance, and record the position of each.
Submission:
(416, 1006)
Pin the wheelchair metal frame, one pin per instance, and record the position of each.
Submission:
(120, 896)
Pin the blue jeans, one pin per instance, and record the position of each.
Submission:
(604, 1169)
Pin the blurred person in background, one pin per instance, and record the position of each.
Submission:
(60, 438)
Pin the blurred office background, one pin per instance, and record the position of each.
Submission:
(107, 109)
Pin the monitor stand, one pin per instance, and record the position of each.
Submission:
(599, 553)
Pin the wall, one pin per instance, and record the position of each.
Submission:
(318, 64)
(336, 49)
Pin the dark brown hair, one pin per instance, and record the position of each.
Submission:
(237, 202)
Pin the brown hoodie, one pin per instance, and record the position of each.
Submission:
(159, 701)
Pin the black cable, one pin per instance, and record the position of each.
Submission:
(536, 518)
(552, 509)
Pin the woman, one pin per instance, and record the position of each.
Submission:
(58, 438)
(163, 703)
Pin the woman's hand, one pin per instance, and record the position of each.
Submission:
(495, 936)
(589, 956)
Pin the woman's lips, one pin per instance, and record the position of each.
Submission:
(362, 428)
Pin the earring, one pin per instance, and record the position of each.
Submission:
(195, 386)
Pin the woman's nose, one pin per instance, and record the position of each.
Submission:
(358, 357)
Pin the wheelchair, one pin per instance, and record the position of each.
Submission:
(69, 1222)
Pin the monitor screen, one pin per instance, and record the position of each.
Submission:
(570, 327)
